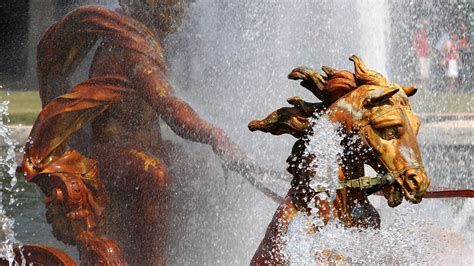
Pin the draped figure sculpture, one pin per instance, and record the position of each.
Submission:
(109, 196)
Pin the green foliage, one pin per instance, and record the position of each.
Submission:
(24, 106)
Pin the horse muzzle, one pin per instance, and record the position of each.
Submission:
(414, 183)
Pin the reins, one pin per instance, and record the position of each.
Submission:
(364, 182)
(367, 182)
(444, 193)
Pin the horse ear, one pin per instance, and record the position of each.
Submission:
(410, 90)
(365, 75)
(379, 96)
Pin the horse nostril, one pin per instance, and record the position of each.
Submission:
(414, 181)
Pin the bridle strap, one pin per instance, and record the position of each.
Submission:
(364, 182)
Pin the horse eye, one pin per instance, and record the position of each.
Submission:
(389, 133)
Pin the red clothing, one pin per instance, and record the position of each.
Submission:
(451, 51)
(421, 44)
(464, 43)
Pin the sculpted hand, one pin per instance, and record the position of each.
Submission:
(231, 155)
(234, 159)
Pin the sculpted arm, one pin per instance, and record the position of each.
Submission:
(185, 122)
(182, 119)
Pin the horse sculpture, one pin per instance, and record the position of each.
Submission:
(378, 129)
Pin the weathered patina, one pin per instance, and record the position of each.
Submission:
(379, 129)
(107, 188)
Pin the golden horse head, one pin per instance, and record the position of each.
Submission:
(372, 112)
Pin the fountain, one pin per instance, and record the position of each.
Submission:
(9, 180)
(231, 56)
(261, 42)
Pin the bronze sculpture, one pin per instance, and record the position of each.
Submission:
(112, 201)
(39, 255)
(67, 190)
(371, 111)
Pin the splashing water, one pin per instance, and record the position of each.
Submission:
(239, 52)
(402, 240)
(298, 244)
(325, 146)
(334, 243)
(8, 182)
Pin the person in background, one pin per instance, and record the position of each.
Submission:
(465, 52)
(451, 61)
(421, 45)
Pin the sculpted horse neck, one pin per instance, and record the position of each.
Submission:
(378, 129)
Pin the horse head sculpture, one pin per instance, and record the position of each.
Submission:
(380, 115)
(377, 128)
(370, 110)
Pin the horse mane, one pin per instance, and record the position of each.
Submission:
(337, 83)
(329, 88)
